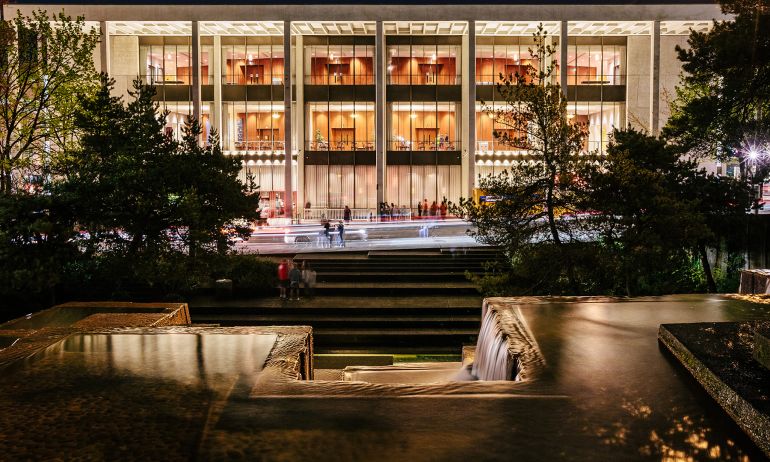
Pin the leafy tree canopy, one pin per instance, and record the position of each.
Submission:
(45, 63)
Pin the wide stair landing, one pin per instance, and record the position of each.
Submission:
(403, 302)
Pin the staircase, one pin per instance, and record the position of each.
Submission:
(397, 302)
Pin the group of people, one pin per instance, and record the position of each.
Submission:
(393, 212)
(434, 210)
(328, 236)
(291, 277)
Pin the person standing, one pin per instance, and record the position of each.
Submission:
(425, 207)
(283, 277)
(308, 279)
(443, 209)
(341, 232)
(346, 214)
(295, 279)
(327, 232)
(419, 208)
(433, 209)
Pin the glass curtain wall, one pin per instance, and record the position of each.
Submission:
(338, 126)
(179, 114)
(596, 61)
(207, 57)
(424, 64)
(506, 56)
(600, 118)
(410, 184)
(253, 126)
(417, 127)
(166, 60)
(423, 126)
(252, 61)
(339, 64)
(335, 186)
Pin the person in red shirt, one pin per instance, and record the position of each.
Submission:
(283, 277)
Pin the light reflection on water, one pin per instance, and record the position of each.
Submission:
(606, 391)
(196, 359)
(627, 390)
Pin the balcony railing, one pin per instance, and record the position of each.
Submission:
(406, 145)
(339, 145)
(330, 79)
(423, 79)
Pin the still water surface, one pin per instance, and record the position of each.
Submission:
(607, 391)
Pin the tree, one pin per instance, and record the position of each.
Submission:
(131, 185)
(723, 101)
(648, 215)
(722, 202)
(45, 63)
(211, 196)
(533, 193)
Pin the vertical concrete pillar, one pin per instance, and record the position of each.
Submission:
(380, 136)
(299, 85)
(215, 62)
(287, 98)
(563, 48)
(104, 47)
(196, 70)
(655, 78)
(469, 110)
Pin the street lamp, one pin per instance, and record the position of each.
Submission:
(754, 154)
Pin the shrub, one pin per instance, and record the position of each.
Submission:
(251, 274)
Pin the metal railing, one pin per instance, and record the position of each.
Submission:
(321, 213)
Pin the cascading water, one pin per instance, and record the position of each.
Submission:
(504, 345)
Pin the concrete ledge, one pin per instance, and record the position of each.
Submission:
(755, 422)
(28, 334)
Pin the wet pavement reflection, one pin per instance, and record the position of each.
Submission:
(604, 390)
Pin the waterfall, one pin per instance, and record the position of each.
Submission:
(505, 348)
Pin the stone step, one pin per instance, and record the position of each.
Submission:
(389, 304)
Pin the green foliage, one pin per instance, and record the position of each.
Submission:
(723, 101)
(34, 232)
(645, 217)
(139, 191)
(45, 64)
(531, 195)
(251, 275)
(653, 214)
(729, 279)
(166, 275)
(210, 194)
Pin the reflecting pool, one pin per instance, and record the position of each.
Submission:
(604, 390)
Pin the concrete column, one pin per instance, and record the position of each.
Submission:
(216, 111)
(196, 70)
(380, 114)
(104, 47)
(563, 48)
(125, 66)
(287, 203)
(299, 84)
(469, 106)
(655, 78)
